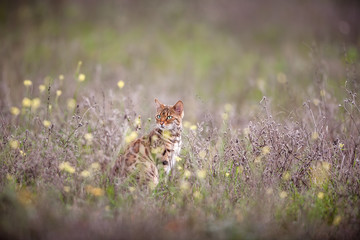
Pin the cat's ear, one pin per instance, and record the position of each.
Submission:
(179, 108)
(158, 104)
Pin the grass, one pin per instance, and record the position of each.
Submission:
(283, 166)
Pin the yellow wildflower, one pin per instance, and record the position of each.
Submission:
(269, 191)
(187, 124)
(166, 134)
(81, 77)
(286, 176)
(225, 116)
(281, 78)
(46, 123)
(316, 101)
(85, 174)
(22, 153)
(65, 166)
(58, 93)
(66, 189)
(202, 154)
(227, 174)
(26, 102)
(95, 166)
(314, 136)
(14, 111)
(88, 137)
(157, 150)
(283, 194)
(178, 159)
(187, 173)
(61, 77)
(320, 173)
(42, 88)
(131, 137)
(326, 166)
(193, 127)
(35, 103)
(137, 122)
(228, 107)
(25, 197)
(341, 146)
(320, 195)
(154, 138)
(9, 177)
(337, 220)
(265, 150)
(246, 131)
(121, 84)
(50, 107)
(201, 174)
(322, 93)
(179, 168)
(257, 159)
(71, 103)
(27, 83)
(132, 189)
(14, 144)
(185, 185)
(97, 192)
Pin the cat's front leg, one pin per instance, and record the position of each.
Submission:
(167, 160)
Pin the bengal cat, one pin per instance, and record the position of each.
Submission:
(160, 147)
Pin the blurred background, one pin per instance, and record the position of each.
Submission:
(206, 52)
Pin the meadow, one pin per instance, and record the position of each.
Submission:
(271, 129)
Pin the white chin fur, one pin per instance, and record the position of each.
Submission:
(166, 127)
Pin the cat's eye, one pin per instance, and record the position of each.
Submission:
(169, 117)
(158, 116)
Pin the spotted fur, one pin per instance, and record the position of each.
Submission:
(160, 147)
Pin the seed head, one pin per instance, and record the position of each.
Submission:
(81, 77)
(121, 84)
(27, 83)
(14, 111)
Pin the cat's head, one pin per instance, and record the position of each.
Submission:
(169, 117)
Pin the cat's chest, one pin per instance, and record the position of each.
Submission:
(177, 147)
